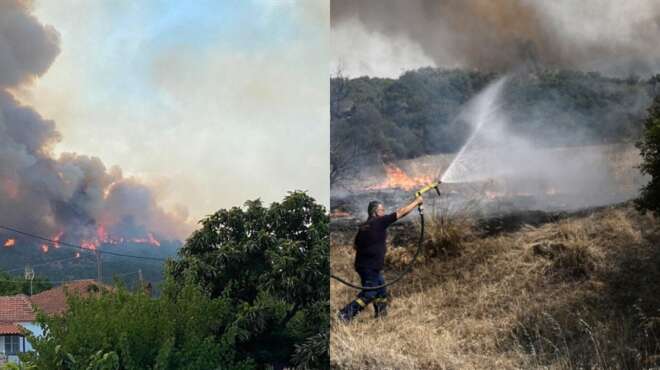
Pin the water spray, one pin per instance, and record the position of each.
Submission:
(484, 106)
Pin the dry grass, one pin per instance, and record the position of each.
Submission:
(580, 293)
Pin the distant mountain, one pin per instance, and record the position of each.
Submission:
(66, 263)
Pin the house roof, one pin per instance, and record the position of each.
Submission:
(11, 329)
(17, 308)
(53, 301)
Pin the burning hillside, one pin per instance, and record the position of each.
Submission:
(499, 167)
(73, 197)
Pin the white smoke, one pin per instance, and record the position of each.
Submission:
(496, 152)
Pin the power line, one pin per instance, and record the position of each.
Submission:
(78, 247)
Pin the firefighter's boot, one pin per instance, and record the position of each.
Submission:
(347, 313)
(380, 307)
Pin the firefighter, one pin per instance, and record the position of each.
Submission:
(370, 251)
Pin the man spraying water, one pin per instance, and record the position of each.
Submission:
(370, 249)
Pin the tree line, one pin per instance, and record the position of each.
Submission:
(377, 120)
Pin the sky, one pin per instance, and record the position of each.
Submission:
(210, 103)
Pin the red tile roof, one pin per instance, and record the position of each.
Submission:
(11, 329)
(15, 309)
(19, 308)
(53, 301)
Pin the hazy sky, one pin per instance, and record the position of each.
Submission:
(212, 103)
(387, 37)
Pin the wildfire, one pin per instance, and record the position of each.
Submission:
(77, 254)
(93, 243)
(103, 237)
(90, 244)
(150, 239)
(397, 178)
(338, 213)
(56, 239)
(101, 234)
(153, 241)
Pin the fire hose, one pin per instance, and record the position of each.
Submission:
(408, 268)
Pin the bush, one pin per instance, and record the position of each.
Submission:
(649, 146)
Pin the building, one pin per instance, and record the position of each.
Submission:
(16, 318)
(18, 314)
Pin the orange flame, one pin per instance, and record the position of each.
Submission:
(102, 237)
(397, 178)
(153, 240)
(337, 214)
(10, 243)
(56, 239)
(44, 248)
(77, 254)
(89, 244)
(150, 239)
(101, 233)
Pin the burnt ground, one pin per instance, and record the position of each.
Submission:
(490, 223)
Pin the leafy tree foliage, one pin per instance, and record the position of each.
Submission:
(10, 285)
(123, 330)
(271, 265)
(649, 146)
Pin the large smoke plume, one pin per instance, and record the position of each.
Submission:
(613, 37)
(74, 194)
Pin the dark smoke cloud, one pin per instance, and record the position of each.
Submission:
(27, 48)
(614, 37)
(73, 193)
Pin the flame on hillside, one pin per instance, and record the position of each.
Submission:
(398, 179)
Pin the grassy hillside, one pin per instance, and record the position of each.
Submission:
(581, 292)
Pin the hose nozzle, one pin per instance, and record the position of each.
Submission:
(434, 185)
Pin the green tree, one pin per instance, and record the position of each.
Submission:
(271, 265)
(649, 146)
(10, 285)
(122, 330)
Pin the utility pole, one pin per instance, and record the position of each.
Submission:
(99, 276)
(141, 282)
(29, 275)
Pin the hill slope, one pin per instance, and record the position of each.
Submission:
(579, 292)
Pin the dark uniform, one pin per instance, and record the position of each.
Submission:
(370, 251)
